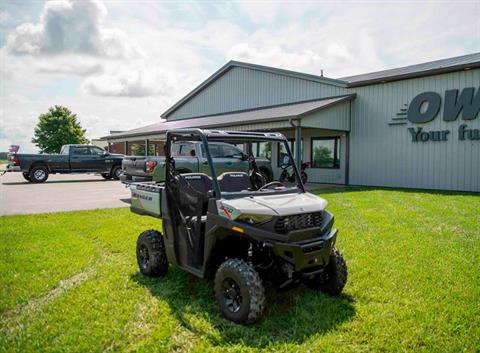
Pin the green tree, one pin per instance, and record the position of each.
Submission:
(322, 157)
(57, 127)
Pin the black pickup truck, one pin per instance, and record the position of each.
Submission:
(72, 159)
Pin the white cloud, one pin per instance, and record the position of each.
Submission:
(71, 27)
(128, 82)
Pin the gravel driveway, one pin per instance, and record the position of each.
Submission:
(60, 193)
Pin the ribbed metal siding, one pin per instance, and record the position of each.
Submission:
(384, 155)
(241, 88)
(335, 118)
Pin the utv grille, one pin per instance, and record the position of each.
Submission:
(296, 222)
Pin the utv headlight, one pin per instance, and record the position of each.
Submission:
(254, 219)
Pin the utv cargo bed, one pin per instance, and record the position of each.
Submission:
(147, 198)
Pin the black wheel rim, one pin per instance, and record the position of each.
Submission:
(232, 297)
(143, 257)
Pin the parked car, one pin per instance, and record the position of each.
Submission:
(72, 159)
(190, 158)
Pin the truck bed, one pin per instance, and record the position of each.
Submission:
(134, 168)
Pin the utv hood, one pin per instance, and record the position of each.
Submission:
(274, 205)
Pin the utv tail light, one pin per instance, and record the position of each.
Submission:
(150, 166)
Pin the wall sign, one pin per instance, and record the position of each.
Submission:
(425, 107)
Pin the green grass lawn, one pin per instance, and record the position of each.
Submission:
(69, 282)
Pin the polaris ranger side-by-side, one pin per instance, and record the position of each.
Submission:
(237, 228)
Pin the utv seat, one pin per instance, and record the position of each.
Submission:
(201, 183)
(234, 181)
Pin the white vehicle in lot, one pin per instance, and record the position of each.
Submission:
(237, 228)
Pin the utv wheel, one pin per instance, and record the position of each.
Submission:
(106, 176)
(38, 174)
(116, 172)
(151, 256)
(26, 177)
(239, 291)
(332, 280)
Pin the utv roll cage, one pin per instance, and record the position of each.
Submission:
(229, 137)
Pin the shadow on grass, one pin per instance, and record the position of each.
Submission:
(292, 316)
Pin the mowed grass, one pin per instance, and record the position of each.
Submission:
(69, 282)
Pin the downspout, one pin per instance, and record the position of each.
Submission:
(298, 140)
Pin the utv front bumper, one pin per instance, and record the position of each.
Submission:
(309, 255)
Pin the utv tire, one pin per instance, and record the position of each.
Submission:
(151, 255)
(332, 280)
(26, 177)
(116, 172)
(38, 174)
(106, 176)
(239, 291)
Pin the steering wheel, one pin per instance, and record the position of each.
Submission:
(266, 186)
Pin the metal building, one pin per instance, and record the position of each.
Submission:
(413, 127)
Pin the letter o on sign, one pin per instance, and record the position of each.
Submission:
(414, 113)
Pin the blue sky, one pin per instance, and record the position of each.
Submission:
(120, 64)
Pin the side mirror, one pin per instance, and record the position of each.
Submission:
(106, 153)
(244, 157)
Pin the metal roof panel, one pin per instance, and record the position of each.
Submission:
(274, 113)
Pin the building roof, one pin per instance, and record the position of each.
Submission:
(457, 63)
(232, 63)
(272, 113)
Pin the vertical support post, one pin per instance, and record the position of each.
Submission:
(298, 144)
(147, 143)
(108, 146)
(347, 158)
(126, 148)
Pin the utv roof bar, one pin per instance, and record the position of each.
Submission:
(222, 134)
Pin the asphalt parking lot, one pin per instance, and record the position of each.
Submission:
(60, 193)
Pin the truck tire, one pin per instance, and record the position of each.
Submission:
(38, 174)
(106, 176)
(239, 291)
(332, 280)
(26, 177)
(116, 172)
(151, 255)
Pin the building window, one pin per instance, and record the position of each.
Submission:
(282, 152)
(325, 152)
(262, 149)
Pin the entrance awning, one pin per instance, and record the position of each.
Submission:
(310, 114)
